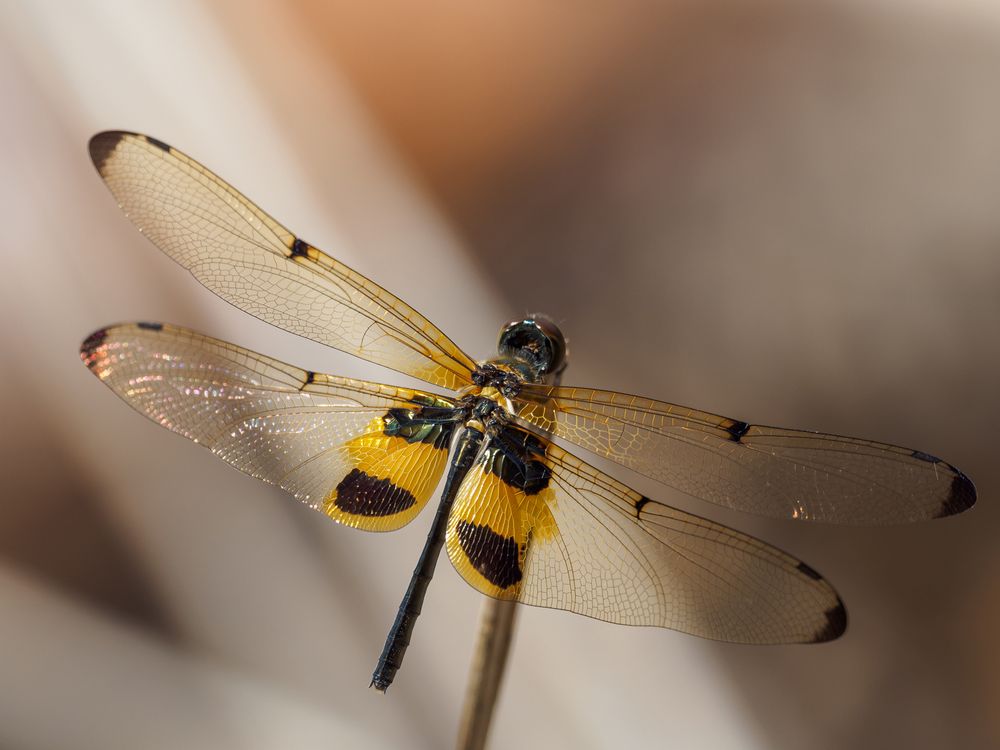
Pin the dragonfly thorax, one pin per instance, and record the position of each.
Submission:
(505, 376)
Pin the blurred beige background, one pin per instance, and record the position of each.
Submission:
(786, 212)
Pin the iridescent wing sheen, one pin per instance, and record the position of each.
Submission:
(255, 263)
(770, 471)
(534, 524)
(367, 455)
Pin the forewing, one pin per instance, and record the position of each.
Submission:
(770, 471)
(367, 455)
(258, 265)
(545, 528)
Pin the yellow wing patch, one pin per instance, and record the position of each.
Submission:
(503, 509)
(395, 466)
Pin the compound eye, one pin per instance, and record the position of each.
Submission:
(536, 341)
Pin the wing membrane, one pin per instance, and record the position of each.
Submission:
(367, 455)
(535, 524)
(770, 471)
(250, 260)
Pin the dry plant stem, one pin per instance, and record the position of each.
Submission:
(496, 626)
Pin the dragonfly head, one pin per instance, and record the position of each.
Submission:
(535, 341)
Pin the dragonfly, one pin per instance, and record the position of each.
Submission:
(522, 518)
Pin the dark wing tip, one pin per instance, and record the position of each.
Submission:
(961, 496)
(836, 616)
(93, 341)
(90, 345)
(102, 145)
(835, 625)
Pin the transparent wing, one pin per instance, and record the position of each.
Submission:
(770, 471)
(367, 455)
(253, 262)
(535, 524)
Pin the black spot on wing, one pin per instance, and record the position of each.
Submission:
(158, 143)
(640, 504)
(361, 494)
(102, 145)
(300, 248)
(90, 344)
(835, 625)
(961, 496)
(150, 326)
(809, 571)
(921, 456)
(494, 556)
(737, 430)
